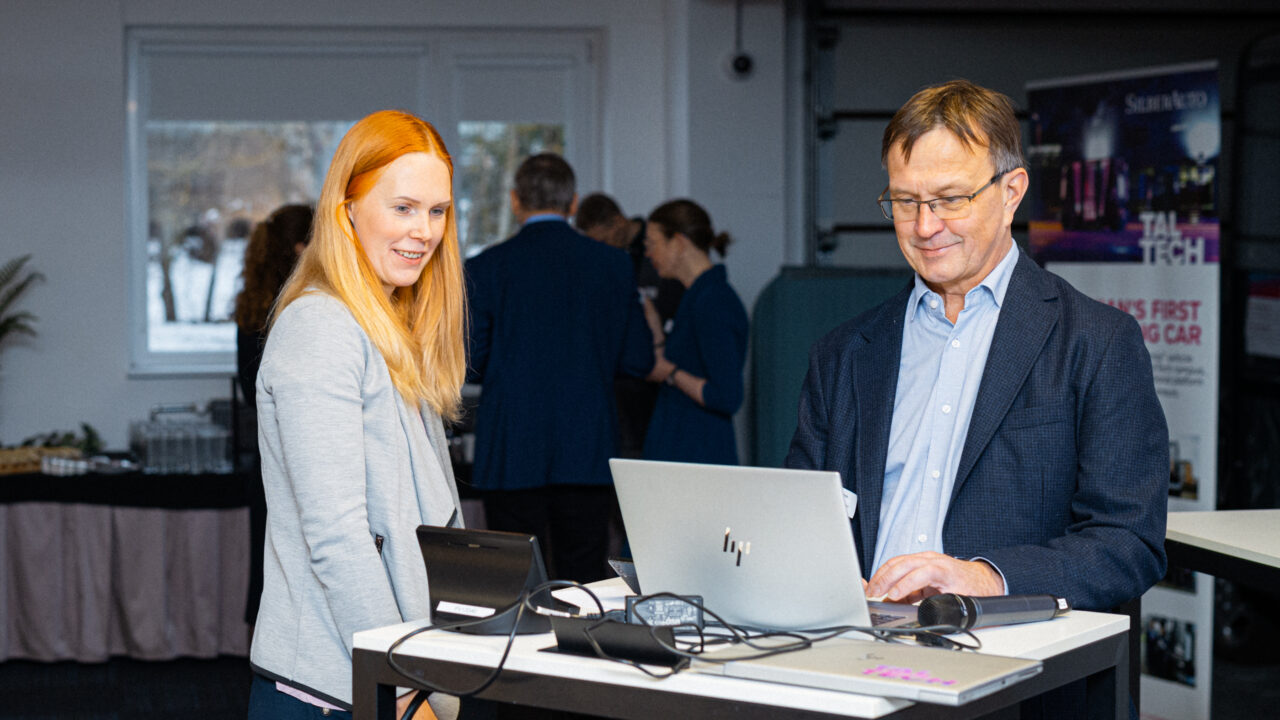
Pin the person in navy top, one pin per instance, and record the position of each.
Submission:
(555, 317)
(700, 361)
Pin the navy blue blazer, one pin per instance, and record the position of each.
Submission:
(1063, 479)
(708, 339)
(554, 318)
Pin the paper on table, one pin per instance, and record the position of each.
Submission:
(612, 594)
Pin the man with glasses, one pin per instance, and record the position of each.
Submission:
(1001, 430)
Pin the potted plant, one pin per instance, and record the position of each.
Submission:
(12, 284)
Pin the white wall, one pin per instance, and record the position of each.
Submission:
(674, 124)
(736, 163)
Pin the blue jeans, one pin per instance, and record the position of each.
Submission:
(268, 703)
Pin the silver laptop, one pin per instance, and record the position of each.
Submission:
(765, 548)
(913, 672)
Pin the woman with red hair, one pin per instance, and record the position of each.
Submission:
(364, 360)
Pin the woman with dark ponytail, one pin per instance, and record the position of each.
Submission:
(269, 258)
(700, 355)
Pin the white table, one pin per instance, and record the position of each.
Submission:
(1240, 545)
(1077, 645)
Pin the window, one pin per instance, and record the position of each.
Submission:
(209, 184)
(485, 166)
(226, 126)
(513, 95)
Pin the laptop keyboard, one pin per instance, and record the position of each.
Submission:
(884, 618)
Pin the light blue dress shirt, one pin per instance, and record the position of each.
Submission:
(543, 217)
(938, 379)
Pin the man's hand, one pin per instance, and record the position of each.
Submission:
(914, 577)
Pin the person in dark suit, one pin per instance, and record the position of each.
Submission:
(555, 317)
(1000, 429)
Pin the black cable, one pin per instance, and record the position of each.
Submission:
(414, 704)
(736, 634)
(600, 651)
(804, 638)
(518, 607)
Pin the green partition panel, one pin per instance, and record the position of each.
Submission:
(799, 306)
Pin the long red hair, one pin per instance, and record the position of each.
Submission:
(421, 330)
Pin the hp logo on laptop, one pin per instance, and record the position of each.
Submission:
(737, 547)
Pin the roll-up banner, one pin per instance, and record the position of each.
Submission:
(1124, 205)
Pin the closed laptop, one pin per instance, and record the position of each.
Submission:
(922, 674)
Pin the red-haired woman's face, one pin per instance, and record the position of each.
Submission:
(401, 220)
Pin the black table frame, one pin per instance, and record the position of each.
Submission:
(1104, 663)
(1248, 573)
(200, 491)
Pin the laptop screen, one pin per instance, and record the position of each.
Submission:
(765, 548)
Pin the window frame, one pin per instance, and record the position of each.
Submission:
(442, 56)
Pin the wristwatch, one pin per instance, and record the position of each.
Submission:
(671, 377)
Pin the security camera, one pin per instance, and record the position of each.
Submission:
(741, 66)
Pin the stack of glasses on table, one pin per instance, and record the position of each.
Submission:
(180, 439)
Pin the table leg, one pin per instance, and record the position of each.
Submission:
(371, 699)
(1107, 691)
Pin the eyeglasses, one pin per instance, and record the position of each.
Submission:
(954, 207)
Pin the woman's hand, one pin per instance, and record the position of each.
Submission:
(424, 711)
(662, 367)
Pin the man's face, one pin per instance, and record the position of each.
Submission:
(953, 256)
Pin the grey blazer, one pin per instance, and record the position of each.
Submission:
(349, 473)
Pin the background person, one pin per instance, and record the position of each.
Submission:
(269, 258)
(555, 317)
(599, 218)
(364, 359)
(700, 361)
